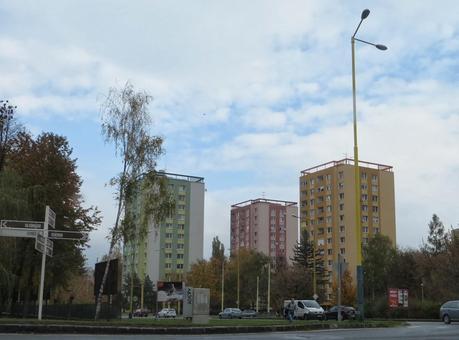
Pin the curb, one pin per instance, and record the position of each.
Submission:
(75, 329)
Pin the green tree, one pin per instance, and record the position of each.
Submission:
(312, 260)
(218, 249)
(437, 240)
(126, 123)
(378, 256)
(48, 176)
(8, 129)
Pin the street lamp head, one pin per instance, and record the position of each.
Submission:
(381, 47)
(365, 14)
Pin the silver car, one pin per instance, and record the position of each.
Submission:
(449, 311)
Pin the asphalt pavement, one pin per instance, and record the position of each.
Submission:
(413, 331)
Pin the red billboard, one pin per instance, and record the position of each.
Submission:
(393, 297)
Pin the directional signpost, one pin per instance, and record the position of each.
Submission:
(43, 240)
(41, 243)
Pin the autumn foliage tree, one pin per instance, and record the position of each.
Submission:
(38, 172)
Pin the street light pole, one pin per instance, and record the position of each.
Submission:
(223, 282)
(358, 231)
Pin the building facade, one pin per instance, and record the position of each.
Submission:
(265, 225)
(167, 251)
(327, 209)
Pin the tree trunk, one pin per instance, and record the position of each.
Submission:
(112, 243)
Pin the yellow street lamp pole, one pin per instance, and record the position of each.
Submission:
(358, 228)
(238, 278)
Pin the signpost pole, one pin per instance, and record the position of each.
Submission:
(43, 263)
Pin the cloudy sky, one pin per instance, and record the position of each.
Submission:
(247, 94)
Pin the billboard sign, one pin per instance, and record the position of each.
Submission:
(398, 298)
(393, 297)
(170, 291)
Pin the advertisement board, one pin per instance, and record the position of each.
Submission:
(170, 291)
(397, 298)
(393, 297)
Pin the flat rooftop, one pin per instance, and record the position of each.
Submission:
(187, 178)
(346, 161)
(262, 200)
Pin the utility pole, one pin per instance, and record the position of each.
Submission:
(269, 286)
(223, 282)
(43, 264)
(258, 282)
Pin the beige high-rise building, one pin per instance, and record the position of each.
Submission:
(265, 225)
(327, 209)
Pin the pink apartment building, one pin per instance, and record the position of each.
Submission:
(265, 225)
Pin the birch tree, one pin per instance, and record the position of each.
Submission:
(126, 123)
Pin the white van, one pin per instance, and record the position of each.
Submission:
(307, 309)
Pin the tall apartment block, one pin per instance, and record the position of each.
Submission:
(265, 225)
(169, 249)
(327, 208)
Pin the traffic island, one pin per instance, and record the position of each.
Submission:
(74, 328)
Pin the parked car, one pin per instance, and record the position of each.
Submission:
(306, 309)
(167, 313)
(230, 313)
(449, 311)
(248, 313)
(347, 313)
(140, 312)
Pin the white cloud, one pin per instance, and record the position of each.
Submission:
(260, 88)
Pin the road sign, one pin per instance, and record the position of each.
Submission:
(51, 217)
(67, 235)
(21, 224)
(40, 245)
(19, 232)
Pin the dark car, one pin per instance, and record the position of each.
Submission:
(347, 313)
(141, 312)
(449, 311)
(248, 313)
(230, 313)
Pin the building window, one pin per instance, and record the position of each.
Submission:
(342, 239)
(311, 202)
(168, 255)
(341, 206)
(329, 240)
(329, 208)
(341, 195)
(330, 251)
(168, 245)
(375, 219)
(180, 256)
(374, 188)
(364, 187)
(180, 246)
(341, 229)
(364, 197)
(179, 265)
(340, 186)
(168, 235)
(180, 236)
(330, 262)
(320, 199)
(364, 207)
(363, 176)
(375, 209)
(376, 230)
(168, 265)
(341, 175)
(329, 220)
(341, 217)
(365, 229)
(181, 197)
(365, 240)
(374, 198)
(364, 219)
(329, 230)
(342, 251)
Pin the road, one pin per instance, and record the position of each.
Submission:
(414, 331)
